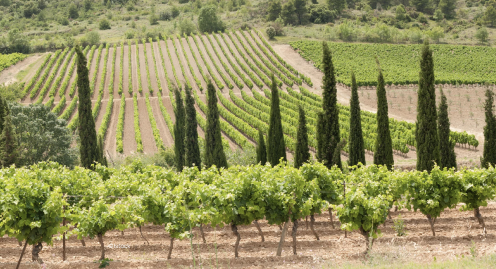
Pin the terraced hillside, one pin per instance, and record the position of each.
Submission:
(133, 104)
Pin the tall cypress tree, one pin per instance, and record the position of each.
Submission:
(320, 137)
(87, 133)
(356, 145)
(426, 132)
(302, 153)
(330, 133)
(214, 152)
(447, 147)
(489, 154)
(8, 141)
(276, 147)
(101, 152)
(191, 148)
(261, 149)
(3, 106)
(179, 129)
(383, 154)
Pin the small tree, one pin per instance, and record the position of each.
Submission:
(179, 129)
(489, 154)
(93, 38)
(191, 148)
(261, 149)
(482, 35)
(490, 15)
(153, 19)
(274, 10)
(438, 15)
(214, 152)
(302, 154)
(208, 21)
(400, 13)
(446, 146)
(300, 10)
(271, 32)
(187, 27)
(104, 25)
(275, 141)
(73, 11)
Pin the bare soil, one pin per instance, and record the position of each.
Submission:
(456, 233)
(165, 133)
(110, 138)
(146, 128)
(117, 74)
(128, 139)
(30, 65)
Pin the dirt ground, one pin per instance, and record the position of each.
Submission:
(456, 233)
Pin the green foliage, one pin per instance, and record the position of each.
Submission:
(93, 38)
(356, 145)
(120, 126)
(489, 154)
(337, 5)
(482, 35)
(73, 11)
(88, 148)
(448, 8)
(276, 148)
(331, 134)
(187, 27)
(426, 127)
(288, 13)
(104, 24)
(420, 5)
(302, 153)
(137, 131)
(208, 20)
(7, 60)
(214, 152)
(383, 154)
(271, 32)
(179, 131)
(274, 10)
(9, 153)
(153, 19)
(400, 13)
(446, 146)
(438, 15)
(261, 149)
(192, 155)
(490, 15)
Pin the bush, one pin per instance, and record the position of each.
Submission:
(165, 15)
(271, 32)
(73, 11)
(183, 1)
(482, 35)
(187, 27)
(93, 38)
(129, 34)
(104, 24)
(175, 12)
(208, 21)
(64, 21)
(421, 18)
(153, 19)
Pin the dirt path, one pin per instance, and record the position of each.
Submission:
(151, 67)
(29, 65)
(161, 125)
(128, 139)
(125, 73)
(160, 68)
(169, 108)
(117, 74)
(110, 139)
(134, 69)
(144, 80)
(146, 128)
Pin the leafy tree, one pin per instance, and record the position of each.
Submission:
(300, 10)
(331, 111)
(214, 152)
(87, 5)
(302, 153)
(436, 33)
(261, 149)
(208, 21)
(448, 157)
(87, 133)
(489, 154)
(337, 5)
(9, 153)
(482, 35)
(187, 27)
(18, 42)
(448, 8)
(420, 5)
(438, 15)
(356, 144)
(400, 13)
(93, 38)
(179, 129)
(276, 148)
(73, 11)
(104, 25)
(41, 136)
(427, 140)
(4, 3)
(271, 32)
(153, 19)
(191, 148)
(288, 13)
(383, 154)
(490, 15)
(321, 14)
(274, 10)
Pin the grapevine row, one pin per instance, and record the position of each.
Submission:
(173, 41)
(178, 83)
(97, 67)
(191, 70)
(70, 59)
(155, 66)
(27, 87)
(120, 125)
(150, 88)
(212, 75)
(205, 77)
(48, 83)
(155, 131)
(138, 69)
(121, 70)
(137, 132)
(219, 70)
(40, 82)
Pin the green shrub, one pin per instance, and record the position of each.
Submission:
(104, 24)
(271, 32)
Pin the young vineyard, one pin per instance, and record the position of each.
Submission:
(132, 90)
(7, 60)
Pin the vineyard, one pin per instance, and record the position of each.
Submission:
(93, 204)
(7, 60)
(399, 63)
(133, 105)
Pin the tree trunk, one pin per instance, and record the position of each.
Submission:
(170, 248)
(368, 241)
(238, 238)
(330, 216)
(280, 227)
(295, 227)
(312, 221)
(306, 221)
(83, 243)
(143, 236)
(478, 215)
(259, 230)
(22, 254)
(202, 234)
(431, 222)
(35, 253)
(100, 239)
(63, 240)
(20, 243)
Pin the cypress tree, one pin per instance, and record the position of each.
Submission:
(383, 154)
(214, 152)
(8, 141)
(101, 152)
(426, 132)
(261, 149)
(489, 154)
(447, 147)
(87, 133)
(276, 148)
(191, 148)
(3, 106)
(331, 112)
(320, 136)
(302, 153)
(356, 145)
(179, 129)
